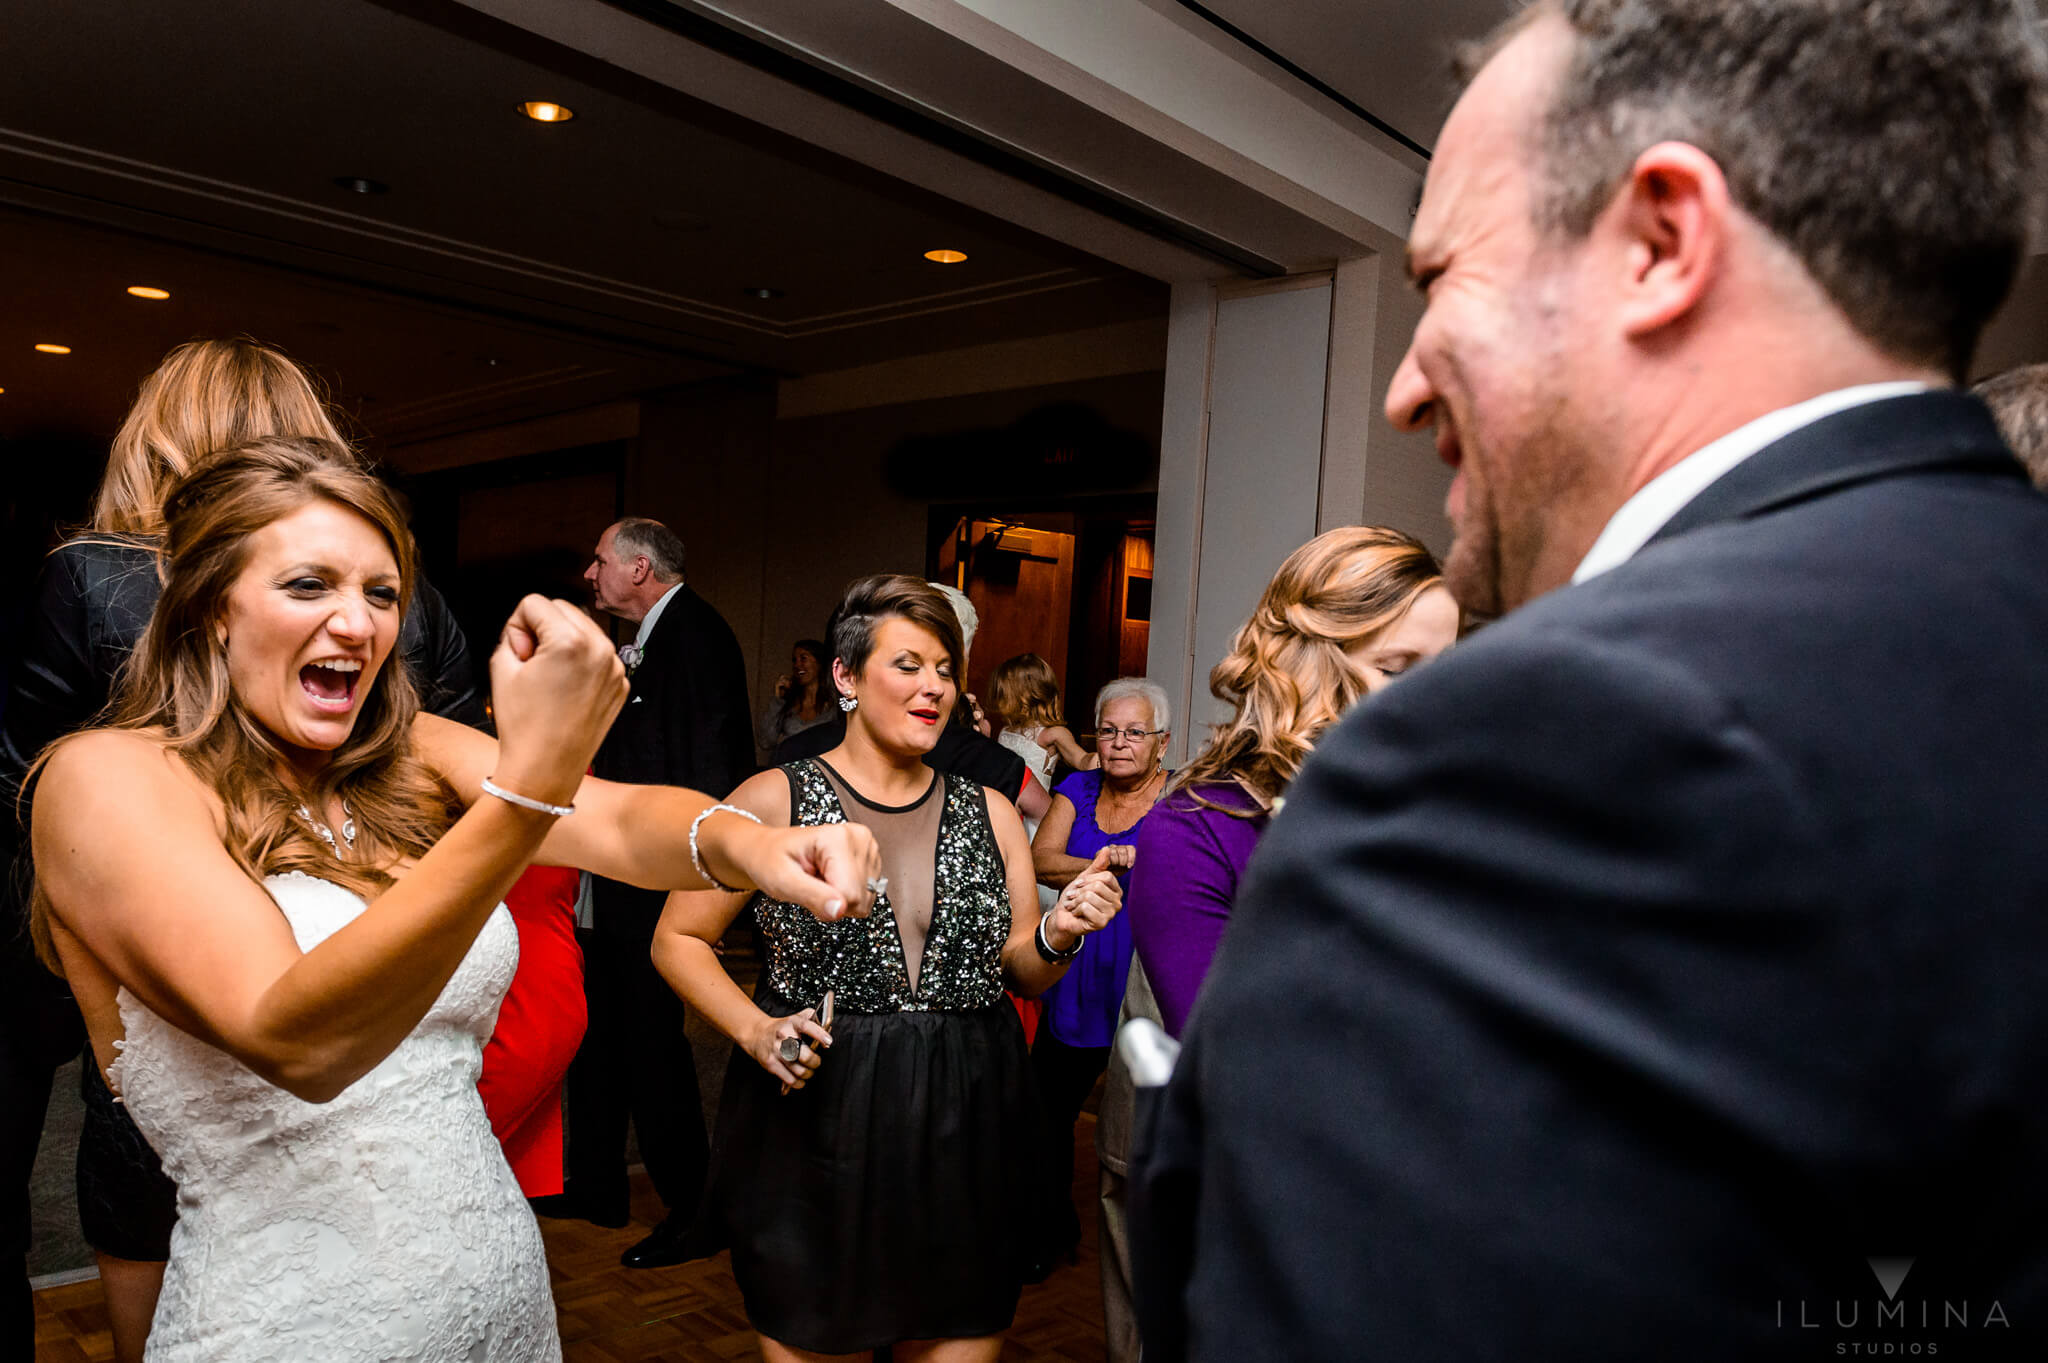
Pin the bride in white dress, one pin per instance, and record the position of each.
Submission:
(274, 886)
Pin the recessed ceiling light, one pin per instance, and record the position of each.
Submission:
(761, 293)
(946, 256)
(52, 348)
(149, 292)
(547, 111)
(361, 184)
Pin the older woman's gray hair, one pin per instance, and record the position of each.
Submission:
(1151, 693)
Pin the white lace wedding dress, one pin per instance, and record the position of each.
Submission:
(383, 1225)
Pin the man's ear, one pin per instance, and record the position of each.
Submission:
(641, 568)
(1673, 212)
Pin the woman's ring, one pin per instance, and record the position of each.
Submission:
(789, 1049)
(878, 886)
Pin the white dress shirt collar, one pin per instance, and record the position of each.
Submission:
(653, 614)
(1664, 496)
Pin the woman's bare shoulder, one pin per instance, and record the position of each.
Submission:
(115, 806)
(144, 754)
(765, 793)
(1004, 818)
(135, 768)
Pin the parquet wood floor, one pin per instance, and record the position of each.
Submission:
(689, 1314)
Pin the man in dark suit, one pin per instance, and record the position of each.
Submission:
(687, 724)
(1663, 974)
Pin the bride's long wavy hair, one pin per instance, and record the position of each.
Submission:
(176, 688)
(1287, 675)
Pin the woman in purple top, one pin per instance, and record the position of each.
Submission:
(1347, 613)
(1094, 813)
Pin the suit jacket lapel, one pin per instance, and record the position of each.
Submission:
(1926, 432)
(662, 638)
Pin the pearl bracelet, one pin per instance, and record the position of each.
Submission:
(511, 797)
(697, 858)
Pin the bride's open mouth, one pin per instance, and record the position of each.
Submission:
(331, 682)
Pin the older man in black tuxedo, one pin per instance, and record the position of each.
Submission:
(1664, 973)
(686, 723)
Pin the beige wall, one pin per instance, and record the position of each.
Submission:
(777, 516)
(701, 466)
(1356, 469)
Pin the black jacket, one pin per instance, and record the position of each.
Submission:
(686, 723)
(1620, 984)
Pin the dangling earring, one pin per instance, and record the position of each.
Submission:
(847, 703)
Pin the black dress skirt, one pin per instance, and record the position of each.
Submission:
(891, 1197)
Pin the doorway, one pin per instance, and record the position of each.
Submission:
(1073, 586)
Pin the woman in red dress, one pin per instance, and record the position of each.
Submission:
(540, 1025)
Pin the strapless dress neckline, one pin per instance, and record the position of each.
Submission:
(382, 1225)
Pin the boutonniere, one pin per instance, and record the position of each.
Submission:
(632, 655)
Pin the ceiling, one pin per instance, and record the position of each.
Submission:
(512, 267)
(1391, 60)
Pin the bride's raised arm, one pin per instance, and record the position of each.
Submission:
(633, 833)
(142, 892)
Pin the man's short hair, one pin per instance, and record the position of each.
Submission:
(2018, 398)
(1892, 145)
(636, 536)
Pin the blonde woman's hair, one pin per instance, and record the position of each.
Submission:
(176, 687)
(1287, 675)
(205, 396)
(1025, 692)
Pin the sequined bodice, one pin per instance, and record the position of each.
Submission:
(861, 959)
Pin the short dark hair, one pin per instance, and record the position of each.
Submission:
(637, 536)
(868, 601)
(1892, 145)
(2018, 398)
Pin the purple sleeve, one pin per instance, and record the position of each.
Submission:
(1182, 884)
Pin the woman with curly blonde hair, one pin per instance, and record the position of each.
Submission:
(1347, 613)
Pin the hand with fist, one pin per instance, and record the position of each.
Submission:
(1089, 901)
(556, 686)
(825, 868)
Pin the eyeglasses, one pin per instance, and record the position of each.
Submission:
(1133, 735)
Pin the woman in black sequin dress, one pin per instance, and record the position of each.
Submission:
(874, 1190)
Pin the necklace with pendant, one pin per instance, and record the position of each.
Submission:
(348, 829)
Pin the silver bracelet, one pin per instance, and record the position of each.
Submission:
(526, 801)
(1048, 953)
(697, 858)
